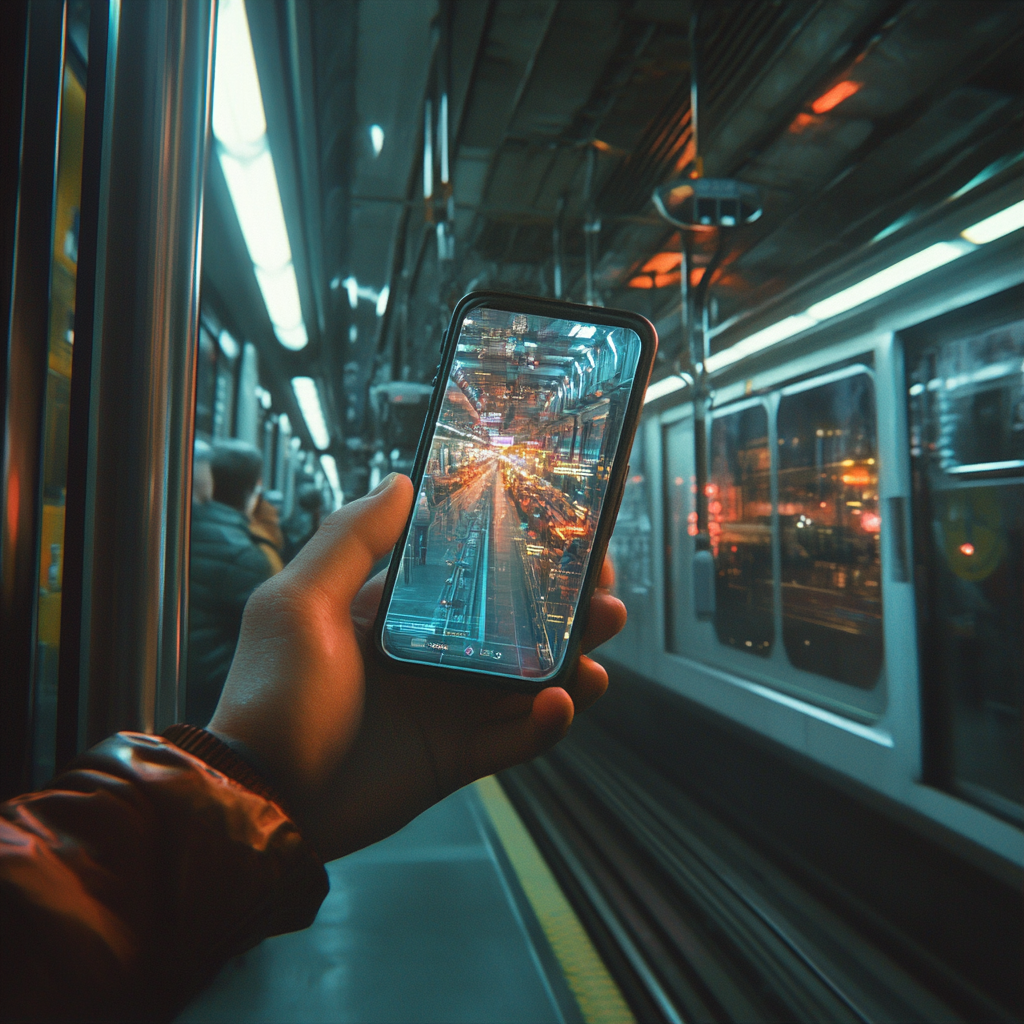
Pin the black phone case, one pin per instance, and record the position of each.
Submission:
(616, 484)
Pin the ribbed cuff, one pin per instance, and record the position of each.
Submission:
(217, 754)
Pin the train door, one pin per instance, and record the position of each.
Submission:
(965, 393)
(105, 121)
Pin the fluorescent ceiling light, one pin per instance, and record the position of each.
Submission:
(330, 468)
(294, 338)
(999, 224)
(352, 287)
(664, 387)
(382, 300)
(238, 119)
(228, 345)
(376, 138)
(922, 262)
(308, 396)
(281, 294)
(762, 339)
(587, 332)
(253, 187)
(240, 127)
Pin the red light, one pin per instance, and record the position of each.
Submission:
(664, 280)
(803, 120)
(643, 281)
(967, 549)
(871, 522)
(839, 92)
(695, 275)
(662, 263)
(733, 549)
(711, 490)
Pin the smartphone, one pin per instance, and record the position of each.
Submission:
(518, 477)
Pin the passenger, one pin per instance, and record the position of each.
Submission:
(304, 520)
(202, 474)
(227, 564)
(265, 526)
(128, 882)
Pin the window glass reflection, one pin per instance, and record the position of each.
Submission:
(830, 529)
(740, 527)
(680, 487)
(967, 446)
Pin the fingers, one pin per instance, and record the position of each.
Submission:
(340, 555)
(606, 579)
(591, 683)
(605, 618)
(501, 744)
(367, 601)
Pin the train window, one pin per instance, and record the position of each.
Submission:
(631, 544)
(680, 517)
(830, 529)
(740, 526)
(967, 446)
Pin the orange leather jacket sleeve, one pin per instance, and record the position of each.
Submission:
(130, 879)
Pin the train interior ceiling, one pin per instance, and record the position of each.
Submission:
(803, 796)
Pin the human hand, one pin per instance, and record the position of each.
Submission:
(357, 749)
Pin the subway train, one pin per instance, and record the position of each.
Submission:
(248, 222)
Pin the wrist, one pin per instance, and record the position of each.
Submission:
(230, 757)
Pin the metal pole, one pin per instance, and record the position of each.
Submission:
(36, 45)
(556, 245)
(138, 496)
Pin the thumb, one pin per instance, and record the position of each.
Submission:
(341, 553)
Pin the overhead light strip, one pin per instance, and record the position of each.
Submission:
(307, 394)
(893, 276)
(240, 128)
(330, 468)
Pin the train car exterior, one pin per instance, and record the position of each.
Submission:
(827, 543)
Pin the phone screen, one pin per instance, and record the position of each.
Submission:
(516, 477)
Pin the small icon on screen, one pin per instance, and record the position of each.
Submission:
(469, 652)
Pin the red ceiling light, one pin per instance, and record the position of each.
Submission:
(641, 281)
(839, 92)
(662, 263)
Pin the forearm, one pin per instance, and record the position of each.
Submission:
(130, 879)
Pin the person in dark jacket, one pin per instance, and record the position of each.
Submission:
(131, 878)
(226, 565)
(304, 520)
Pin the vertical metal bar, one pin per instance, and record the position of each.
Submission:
(556, 244)
(141, 409)
(694, 85)
(24, 394)
(102, 46)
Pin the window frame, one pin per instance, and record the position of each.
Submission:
(685, 636)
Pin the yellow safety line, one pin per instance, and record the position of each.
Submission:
(599, 998)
